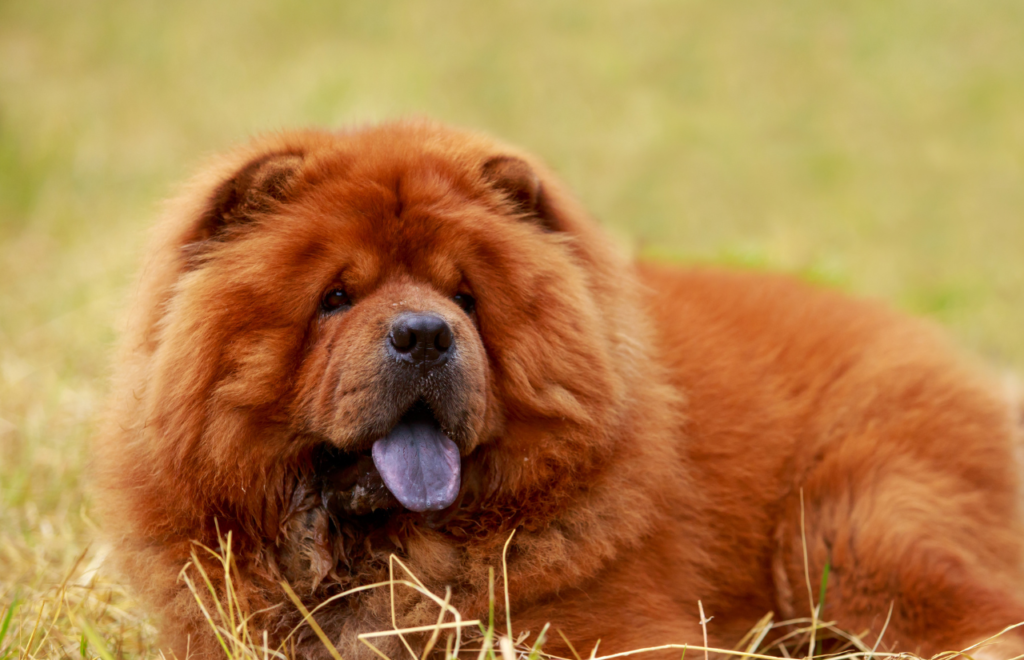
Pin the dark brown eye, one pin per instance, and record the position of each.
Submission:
(465, 301)
(334, 300)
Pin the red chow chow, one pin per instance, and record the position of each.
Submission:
(409, 340)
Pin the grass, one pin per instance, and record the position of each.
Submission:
(874, 146)
(809, 638)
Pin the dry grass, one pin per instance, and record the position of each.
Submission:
(874, 146)
(809, 638)
(72, 611)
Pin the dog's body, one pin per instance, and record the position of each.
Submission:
(407, 340)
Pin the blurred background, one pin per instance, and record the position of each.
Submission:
(875, 146)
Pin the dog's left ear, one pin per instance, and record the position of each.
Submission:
(522, 189)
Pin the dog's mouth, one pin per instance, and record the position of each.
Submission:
(416, 465)
(418, 462)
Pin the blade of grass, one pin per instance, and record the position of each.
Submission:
(7, 619)
(202, 606)
(95, 640)
(35, 629)
(490, 597)
(878, 641)
(487, 643)
(759, 632)
(504, 575)
(311, 621)
(426, 592)
(535, 649)
(365, 637)
(821, 596)
(807, 578)
(437, 630)
(704, 627)
(394, 616)
(569, 644)
(506, 649)
(824, 585)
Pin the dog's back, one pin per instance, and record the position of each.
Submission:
(904, 456)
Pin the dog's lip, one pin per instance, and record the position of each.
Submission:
(348, 447)
(351, 481)
(418, 411)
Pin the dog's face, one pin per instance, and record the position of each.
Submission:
(398, 298)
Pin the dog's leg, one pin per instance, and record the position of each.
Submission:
(940, 547)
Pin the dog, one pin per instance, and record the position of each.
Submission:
(409, 342)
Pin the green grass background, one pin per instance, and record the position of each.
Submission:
(876, 146)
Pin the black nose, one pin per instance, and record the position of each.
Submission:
(421, 338)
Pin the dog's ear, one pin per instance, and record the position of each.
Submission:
(255, 189)
(522, 189)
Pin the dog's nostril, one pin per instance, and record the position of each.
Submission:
(422, 338)
(443, 341)
(402, 338)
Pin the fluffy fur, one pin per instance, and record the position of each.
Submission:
(647, 431)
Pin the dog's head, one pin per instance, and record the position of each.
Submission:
(397, 305)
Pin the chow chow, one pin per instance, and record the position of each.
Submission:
(410, 340)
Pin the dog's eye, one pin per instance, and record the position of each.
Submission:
(334, 300)
(465, 301)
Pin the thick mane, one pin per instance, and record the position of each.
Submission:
(202, 438)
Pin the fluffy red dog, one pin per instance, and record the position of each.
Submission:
(410, 340)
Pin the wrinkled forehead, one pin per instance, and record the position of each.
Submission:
(421, 221)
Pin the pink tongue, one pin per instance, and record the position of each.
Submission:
(420, 465)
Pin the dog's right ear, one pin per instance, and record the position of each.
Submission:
(254, 190)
